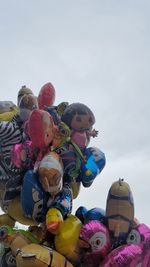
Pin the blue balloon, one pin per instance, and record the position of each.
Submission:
(94, 165)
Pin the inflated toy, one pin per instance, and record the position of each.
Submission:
(7, 110)
(12, 133)
(135, 253)
(7, 259)
(34, 255)
(86, 215)
(6, 106)
(126, 255)
(97, 242)
(23, 91)
(10, 175)
(46, 96)
(38, 202)
(66, 240)
(24, 247)
(81, 213)
(26, 104)
(119, 212)
(139, 234)
(54, 219)
(95, 214)
(41, 130)
(51, 173)
(80, 119)
(22, 155)
(95, 162)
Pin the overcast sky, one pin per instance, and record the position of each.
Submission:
(97, 53)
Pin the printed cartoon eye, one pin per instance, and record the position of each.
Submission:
(97, 241)
(134, 237)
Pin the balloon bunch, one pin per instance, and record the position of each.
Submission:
(45, 158)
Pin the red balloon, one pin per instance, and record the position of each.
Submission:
(46, 96)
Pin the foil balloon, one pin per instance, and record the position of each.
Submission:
(66, 240)
(51, 173)
(46, 96)
(96, 235)
(95, 162)
(119, 212)
(34, 255)
(126, 255)
(80, 120)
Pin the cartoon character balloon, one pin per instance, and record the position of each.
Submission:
(119, 212)
(97, 239)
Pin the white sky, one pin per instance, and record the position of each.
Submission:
(97, 53)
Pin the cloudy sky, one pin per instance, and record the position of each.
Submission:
(97, 53)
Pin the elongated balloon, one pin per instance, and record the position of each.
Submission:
(46, 96)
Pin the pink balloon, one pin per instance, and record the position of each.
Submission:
(96, 235)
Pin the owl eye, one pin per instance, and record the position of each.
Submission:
(98, 241)
(134, 237)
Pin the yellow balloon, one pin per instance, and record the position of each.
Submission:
(34, 255)
(66, 241)
(7, 116)
(15, 211)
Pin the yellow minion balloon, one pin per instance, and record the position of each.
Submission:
(119, 211)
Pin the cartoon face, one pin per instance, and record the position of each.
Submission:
(82, 122)
(97, 241)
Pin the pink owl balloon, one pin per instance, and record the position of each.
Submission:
(97, 240)
(136, 253)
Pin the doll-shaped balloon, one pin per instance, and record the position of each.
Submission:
(80, 119)
(119, 212)
(79, 162)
